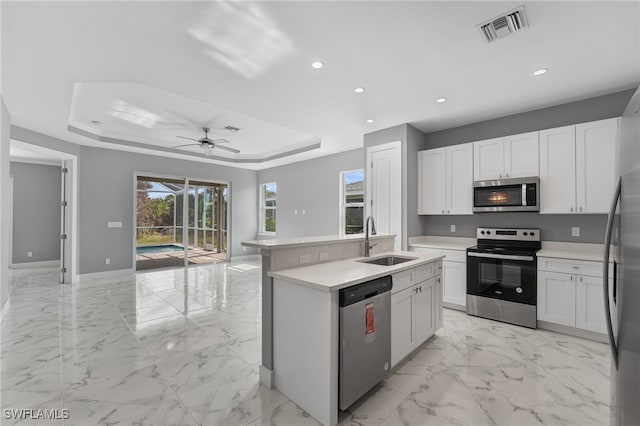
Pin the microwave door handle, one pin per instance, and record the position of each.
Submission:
(501, 256)
(524, 194)
(605, 271)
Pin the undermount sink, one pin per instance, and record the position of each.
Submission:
(387, 260)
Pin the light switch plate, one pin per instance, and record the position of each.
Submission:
(107, 261)
(29, 254)
(453, 228)
(324, 256)
(304, 259)
(575, 231)
(114, 224)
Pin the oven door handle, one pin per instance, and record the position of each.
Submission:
(501, 256)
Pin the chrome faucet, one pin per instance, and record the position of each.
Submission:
(368, 247)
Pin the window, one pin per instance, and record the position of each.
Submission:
(352, 202)
(268, 207)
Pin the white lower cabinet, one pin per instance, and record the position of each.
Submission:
(454, 276)
(415, 315)
(557, 298)
(590, 304)
(571, 299)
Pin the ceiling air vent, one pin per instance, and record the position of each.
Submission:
(503, 25)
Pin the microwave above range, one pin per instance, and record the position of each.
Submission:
(507, 195)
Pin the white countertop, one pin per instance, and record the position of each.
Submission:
(332, 276)
(445, 243)
(577, 251)
(310, 241)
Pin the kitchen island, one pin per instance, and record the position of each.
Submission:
(306, 338)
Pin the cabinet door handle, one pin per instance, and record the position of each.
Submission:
(571, 209)
(580, 279)
(571, 278)
(506, 175)
(442, 211)
(448, 211)
(500, 174)
(580, 208)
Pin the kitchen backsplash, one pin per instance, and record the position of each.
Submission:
(552, 227)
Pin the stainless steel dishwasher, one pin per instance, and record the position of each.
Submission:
(365, 338)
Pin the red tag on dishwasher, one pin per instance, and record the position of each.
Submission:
(369, 318)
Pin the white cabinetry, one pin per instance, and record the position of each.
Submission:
(595, 165)
(454, 276)
(508, 157)
(570, 293)
(445, 180)
(577, 167)
(416, 313)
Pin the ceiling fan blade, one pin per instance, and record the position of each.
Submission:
(220, 141)
(226, 148)
(189, 144)
(184, 137)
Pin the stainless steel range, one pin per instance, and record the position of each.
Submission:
(502, 275)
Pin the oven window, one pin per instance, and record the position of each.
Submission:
(504, 275)
(508, 195)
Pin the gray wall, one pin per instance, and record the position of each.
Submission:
(554, 227)
(106, 194)
(36, 212)
(312, 185)
(5, 130)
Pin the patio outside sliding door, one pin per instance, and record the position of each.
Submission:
(206, 229)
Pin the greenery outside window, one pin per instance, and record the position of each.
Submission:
(268, 192)
(352, 202)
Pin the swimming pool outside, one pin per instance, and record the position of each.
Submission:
(164, 248)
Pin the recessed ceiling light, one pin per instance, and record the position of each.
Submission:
(540, 71)
(359, 90)
(317, 64)
(441, 100)
(370, 120)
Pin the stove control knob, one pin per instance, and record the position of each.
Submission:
(482, 232)
(488, 232)
(519, 290)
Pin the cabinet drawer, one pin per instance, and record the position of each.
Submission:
(569, 266)
(425, 272)
(451, 255)
(402, 280)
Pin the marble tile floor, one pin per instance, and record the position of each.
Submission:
(182, 347)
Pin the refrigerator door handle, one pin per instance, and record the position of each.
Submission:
(605, 272)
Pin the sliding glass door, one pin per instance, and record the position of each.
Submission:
(180, 222)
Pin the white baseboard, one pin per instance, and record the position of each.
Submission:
(266, 377)
(41, 264)
(106, 274)
(572, 331)
(5, 308)
(248, 257)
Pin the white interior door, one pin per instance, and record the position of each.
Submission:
(384, 189)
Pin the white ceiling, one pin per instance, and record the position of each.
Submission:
(252, 60)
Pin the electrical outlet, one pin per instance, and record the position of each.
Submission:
(324, 256)
(575, 231)
(29, 254)
(304, 259)
(107, 261)
(453, 228)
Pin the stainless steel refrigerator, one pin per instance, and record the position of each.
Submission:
(622, 297)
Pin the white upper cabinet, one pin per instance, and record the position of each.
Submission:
(595, 165)
(460, 179)
(488, 160)
(508, 157)
(577, 167)
(521, 155)
(557, 170)
(445, 180)
(432, 181)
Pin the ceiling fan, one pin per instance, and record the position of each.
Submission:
(208, 144)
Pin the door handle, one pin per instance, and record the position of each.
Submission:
(571, 209)
(605, 271)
